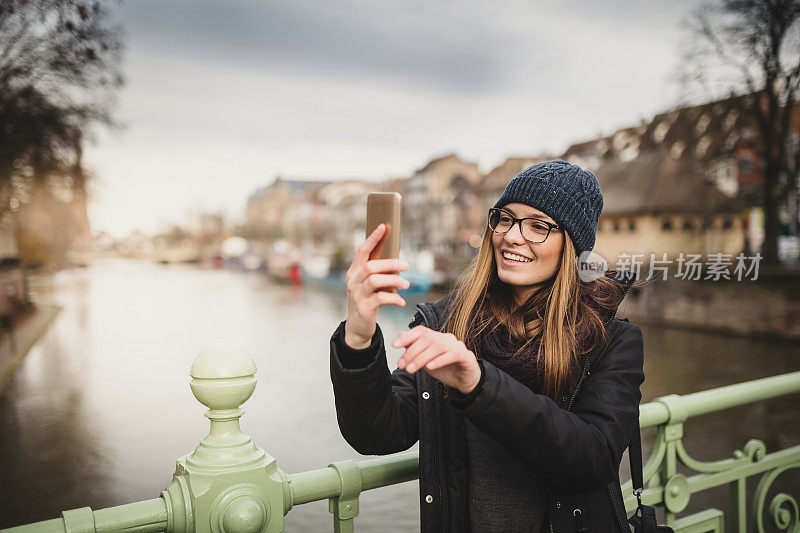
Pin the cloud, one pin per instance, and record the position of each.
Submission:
(443, 45)
(224, 95)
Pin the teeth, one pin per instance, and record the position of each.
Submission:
(515, 257)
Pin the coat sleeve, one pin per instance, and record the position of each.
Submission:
(376, 409)
(579, 449)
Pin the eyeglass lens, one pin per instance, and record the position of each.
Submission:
(532, 229)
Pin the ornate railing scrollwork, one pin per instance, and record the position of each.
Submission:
(672, 490)
(783, 508)
(753, 452)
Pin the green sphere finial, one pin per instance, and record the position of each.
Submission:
(223, 377)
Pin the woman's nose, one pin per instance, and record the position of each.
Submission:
(514, 235)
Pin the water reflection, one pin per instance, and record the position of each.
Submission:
(101, 408)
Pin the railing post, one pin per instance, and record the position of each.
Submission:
(79, 520)
(345, 507)
(676, 492)
(228, 484)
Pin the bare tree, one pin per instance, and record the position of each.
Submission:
(59, 74)
(754, 46)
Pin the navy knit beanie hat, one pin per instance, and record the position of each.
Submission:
(566, 193)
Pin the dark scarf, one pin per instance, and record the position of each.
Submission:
(496, 345)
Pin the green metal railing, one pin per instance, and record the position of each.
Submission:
(672, 490)
(229, 485)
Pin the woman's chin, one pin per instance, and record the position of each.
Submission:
(511, 278)
(519, 279)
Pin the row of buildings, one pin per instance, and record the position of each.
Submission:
(688, 180)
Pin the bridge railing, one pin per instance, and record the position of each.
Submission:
(229, 485)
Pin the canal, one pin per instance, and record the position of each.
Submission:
(100, 409)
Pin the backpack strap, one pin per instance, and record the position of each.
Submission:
(635, 456)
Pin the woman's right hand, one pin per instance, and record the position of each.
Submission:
(365, 279)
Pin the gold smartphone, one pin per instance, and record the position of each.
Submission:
(385, 207)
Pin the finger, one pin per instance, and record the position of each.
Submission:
(379, 281)
(413, 351)
(407, 337)
(362, 254)
(368, 306)
(383, 266)
(429, 353)
(387, 298)
(447, 358)
(379, 266)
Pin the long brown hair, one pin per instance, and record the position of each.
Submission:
(562, 319)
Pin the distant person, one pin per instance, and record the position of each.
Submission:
(295, 274)
(521, 386)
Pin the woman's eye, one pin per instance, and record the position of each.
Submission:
(505, 220)
(538, 226)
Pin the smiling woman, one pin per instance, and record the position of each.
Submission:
(529, 245)
(520, 385)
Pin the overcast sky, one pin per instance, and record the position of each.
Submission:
(223, 96)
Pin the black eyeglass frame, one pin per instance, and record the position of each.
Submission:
(515, 220)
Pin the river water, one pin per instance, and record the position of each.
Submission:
(100, 409)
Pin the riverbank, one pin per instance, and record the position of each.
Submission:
(15, 346)
(767, 308)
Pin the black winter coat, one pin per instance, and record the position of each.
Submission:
(575, 444)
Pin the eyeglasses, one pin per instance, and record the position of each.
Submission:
(533, 230)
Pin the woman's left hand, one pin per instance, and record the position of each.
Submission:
(443, 356)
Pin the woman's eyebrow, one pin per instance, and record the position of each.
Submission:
(529, 215)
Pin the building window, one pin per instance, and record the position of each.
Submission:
(631, 225)
(688, 224)
(660, 131)
(727, 223)
(616, 226)
(793, 144)
(730, 119)
(620, 140)
(746, 164)
(666, 225)
(702, 145)
(701, 125)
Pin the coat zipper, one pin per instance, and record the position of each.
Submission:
(577, 388)
(435, 397)
(582, 377)
(571, 401)
(439, 492)
(580, 382)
